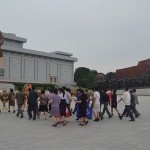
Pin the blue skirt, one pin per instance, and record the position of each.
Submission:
(62, 107)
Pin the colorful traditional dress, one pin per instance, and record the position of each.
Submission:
(43, 104)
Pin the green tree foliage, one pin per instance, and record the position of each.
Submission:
(110, 75)
(85, 77)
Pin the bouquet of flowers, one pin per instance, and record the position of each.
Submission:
(4, 96)
(26, 98)
(26, 94)
(4, 99)
(26, 91)
(27, 87)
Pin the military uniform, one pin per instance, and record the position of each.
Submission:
(20, 96)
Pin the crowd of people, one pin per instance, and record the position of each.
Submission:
(88, 104)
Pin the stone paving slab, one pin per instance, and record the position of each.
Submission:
(109, 134)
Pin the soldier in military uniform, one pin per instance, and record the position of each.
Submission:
(20, 101)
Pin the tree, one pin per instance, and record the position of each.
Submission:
(85, 77)
(110, 75)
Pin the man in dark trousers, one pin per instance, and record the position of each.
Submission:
(106, 101)
(136, 101)
(126, 99)
(132, 105)
(32, 103)
(20, 101)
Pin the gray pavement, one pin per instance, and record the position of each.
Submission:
(109, 134)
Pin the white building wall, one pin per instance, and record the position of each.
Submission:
(42, 71)
(22, 68)
(29, 69)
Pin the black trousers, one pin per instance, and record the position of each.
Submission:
(133, 109)
(75, 108)
(32, 107)
(106, 109)
(128, 111)
(68, 105)
(101, 102)
(137, 110)
(20, 111)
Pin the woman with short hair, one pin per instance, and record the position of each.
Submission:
(82, 107)
(55, 100)
(114, 102)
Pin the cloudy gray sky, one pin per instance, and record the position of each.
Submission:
(103, 34)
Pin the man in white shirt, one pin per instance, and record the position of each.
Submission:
(126, 99)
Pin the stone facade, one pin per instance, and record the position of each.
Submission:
(30, 66)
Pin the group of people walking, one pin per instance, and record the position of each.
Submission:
(58, 104)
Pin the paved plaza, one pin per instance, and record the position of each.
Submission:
(109, 134)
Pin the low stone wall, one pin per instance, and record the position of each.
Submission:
(142, 92)
(6, 86)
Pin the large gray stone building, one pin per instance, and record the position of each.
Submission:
(30, 66)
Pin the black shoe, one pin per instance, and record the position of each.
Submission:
(126, 116)
(9, 111)
(14, 111)
(30, 118)
(54, 125)
(120, 117)
(17, 115)
(21, 117)
(132, 120)
(86, 123)
(109, 116)
(81, 124)
(77, 119)
(34, 118)
(96, 120)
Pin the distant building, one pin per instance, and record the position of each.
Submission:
(143, 66)
(30, 66)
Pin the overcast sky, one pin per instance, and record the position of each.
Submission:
(103, 34)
